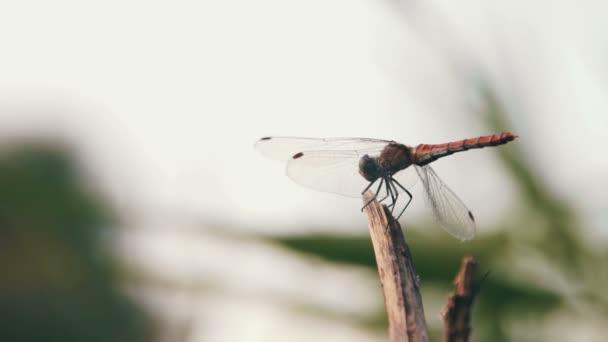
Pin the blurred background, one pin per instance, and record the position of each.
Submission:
(134, 207)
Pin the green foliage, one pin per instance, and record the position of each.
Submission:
(57, 281)
(437, 260)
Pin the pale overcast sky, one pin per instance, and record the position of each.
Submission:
(167, 98)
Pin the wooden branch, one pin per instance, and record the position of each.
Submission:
(457, 313)
(397, 275)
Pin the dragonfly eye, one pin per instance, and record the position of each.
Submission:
(368, 168)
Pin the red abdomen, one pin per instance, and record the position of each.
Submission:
(424, 154)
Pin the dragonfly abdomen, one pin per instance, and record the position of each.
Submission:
(426, 153)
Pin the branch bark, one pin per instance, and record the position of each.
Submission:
(457, 313)
(398, 276)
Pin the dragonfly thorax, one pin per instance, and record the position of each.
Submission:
(393, 158)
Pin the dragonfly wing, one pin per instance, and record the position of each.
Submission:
(328, 171)
(407, 178)
(449, 210)
(283, 148)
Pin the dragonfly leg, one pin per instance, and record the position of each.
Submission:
(390, 190)
(393, 193)
(368, 186)
(388, 193)
(395, 183)
(375, 194)
(383, 198)
(390, 181)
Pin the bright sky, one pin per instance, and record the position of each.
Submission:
(165, 99)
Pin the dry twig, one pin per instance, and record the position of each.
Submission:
(397, 275)
(457, 313)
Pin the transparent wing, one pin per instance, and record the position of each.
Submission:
(449, 210)
(328, 171)
(407, 178)
(283, 148)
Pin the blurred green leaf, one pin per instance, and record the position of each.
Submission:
(57, 281)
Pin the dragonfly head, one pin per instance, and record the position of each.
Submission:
(369, 168)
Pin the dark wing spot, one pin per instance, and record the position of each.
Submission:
(266, 138)
(471, 216)
(297, 155)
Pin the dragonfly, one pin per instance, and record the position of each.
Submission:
(352, 166)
